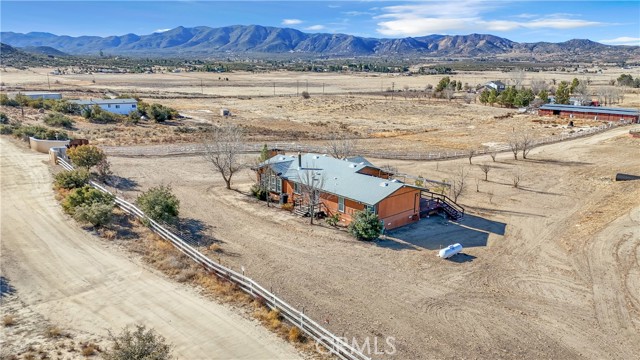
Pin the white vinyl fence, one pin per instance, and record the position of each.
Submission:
(313, 330)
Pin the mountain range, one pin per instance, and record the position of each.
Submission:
(256, 39)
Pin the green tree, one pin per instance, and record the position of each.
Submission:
(4, 119)
(459, 86)
(444, 82)
(563, 94)
(544, 96)
(264, 154)
(493, 97)
(141, 344)
(507, 97)
(484, 96)
(625, 80)
(365, 226)
(574, 85)
(86, 156)
(97, 214)
(160, 204)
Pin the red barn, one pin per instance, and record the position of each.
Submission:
(590, 112)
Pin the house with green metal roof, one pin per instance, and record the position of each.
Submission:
(318, 183)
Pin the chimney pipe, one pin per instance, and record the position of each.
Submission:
(299, 160)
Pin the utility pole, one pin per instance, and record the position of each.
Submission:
(274, 88)
(393, 89)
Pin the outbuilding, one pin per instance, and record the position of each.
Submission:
(33, 95)
(590, 112)
(117, 106)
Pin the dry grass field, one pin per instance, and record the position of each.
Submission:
(551, 268)
(349, 105)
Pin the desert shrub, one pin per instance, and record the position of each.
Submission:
(40, 132)
(258, 192)
(295, 335)
(85, 195)
(53, 332)
(333, 220)
(138, 344)
(133, 117)
(65, 107)
(96, 214)
(58, 120)
(97, 115)
(89, 349)
(72, 179)
(365, 226)
(160, 113)
(4, 119)
(6, 130)
(86, 156)
(4, 100)
(306, 95)
(159, 204)
(287, 206)
(9, 320)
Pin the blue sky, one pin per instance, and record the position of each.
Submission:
(610, 22)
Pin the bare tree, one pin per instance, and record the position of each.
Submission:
(516, 177)
(341, 146)
(470, 155)
(517, 77)
(538, 85)
(310, 181)
(514, 145)
(223, 151)
(448, 93)
(493, 155)
(458, 183)
(526, 144)
(583, 92)
(485, 169)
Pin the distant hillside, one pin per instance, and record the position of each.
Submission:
(43, 50)
(255, 39)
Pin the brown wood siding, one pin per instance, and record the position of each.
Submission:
(374, 172)
(400, 208)
(350, 208)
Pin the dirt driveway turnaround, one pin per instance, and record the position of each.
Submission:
(77, 281)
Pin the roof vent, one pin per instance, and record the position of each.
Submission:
(384, 184)
(394, 180)
(324, 154)
(282, 158)
(352, 165)
(335, 178)
(361, 163)
(316, 157)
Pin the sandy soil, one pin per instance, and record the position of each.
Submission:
(551, 268)
(76, 280)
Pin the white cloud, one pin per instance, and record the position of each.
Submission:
(357, 13)
(291, 21)
(315, 27)
(333, 6)
(623, 40)
(465, 15)
(161, 30)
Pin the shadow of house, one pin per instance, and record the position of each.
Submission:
(435, 233)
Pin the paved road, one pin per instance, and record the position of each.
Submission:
(77, 281)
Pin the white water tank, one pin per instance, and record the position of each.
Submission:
(450, 250)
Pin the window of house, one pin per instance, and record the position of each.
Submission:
(117, 106)
(296, 188)
(371, 208)
(133, 106)
(278, 185)
(340, 204)
(109, 105)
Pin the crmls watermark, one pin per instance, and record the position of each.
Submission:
(367, 346)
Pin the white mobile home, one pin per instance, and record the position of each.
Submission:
(117, 106)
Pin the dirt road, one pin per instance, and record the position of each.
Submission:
(76, 280)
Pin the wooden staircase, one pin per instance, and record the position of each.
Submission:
(431, 201)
